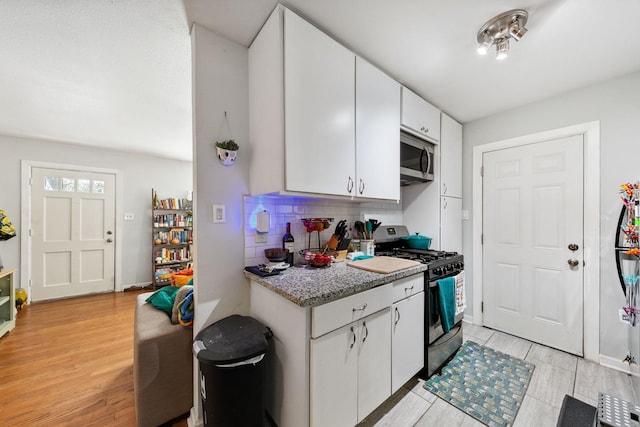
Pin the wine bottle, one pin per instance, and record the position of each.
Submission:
(287, 243)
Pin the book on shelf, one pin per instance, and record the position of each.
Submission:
(174, 203)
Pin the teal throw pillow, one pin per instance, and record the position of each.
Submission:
(163, 298)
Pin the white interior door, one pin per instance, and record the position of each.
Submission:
(72, 233)
(532, 213)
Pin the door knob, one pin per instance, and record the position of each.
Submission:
(573, 262)
(109, 232)
(109, 240)
(573, 247)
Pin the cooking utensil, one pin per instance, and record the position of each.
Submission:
(358, 228)
(374, 225)
(369, 227)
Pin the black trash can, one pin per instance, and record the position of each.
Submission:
(231, 354)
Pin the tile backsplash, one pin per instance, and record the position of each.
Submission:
(283, 209)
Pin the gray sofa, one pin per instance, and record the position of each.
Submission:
(162, 366)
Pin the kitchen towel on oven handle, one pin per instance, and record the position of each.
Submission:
(461, 300)
(447, 300)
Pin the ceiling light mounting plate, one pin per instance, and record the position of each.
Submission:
(498, 27)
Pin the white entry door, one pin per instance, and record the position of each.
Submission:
(532, 215)
(72, 233)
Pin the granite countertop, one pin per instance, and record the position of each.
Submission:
(309, 287)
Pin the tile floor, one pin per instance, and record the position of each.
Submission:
(556, 374)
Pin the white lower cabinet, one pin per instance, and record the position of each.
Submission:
(407, 330)
(407, 350)
(351, 371)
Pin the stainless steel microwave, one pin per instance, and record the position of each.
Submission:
(416, 160)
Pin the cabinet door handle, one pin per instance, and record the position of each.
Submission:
(361, 187)
(350, 185)
(444, 188)
(353, 336)
(397, 316)
(366, 331)
(444, 207)
(361, 308)
(109, 240)
(407, 291)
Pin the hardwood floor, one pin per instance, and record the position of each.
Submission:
(70, 363)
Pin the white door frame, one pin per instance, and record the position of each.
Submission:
(25, 211)
(591, 311)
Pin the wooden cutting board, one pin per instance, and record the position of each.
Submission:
(383, 264)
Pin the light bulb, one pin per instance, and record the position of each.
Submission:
(502, 49)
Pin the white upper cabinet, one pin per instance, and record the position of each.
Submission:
(419, 117)
(451, 224)
(319, 109)
(302, 107)
(377, 133)
(451, 158)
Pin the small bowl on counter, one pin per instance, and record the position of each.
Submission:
(276, 254)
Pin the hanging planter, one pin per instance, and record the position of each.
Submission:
(227, 151)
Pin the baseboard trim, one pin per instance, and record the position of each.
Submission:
(619, 365)
(135, 286)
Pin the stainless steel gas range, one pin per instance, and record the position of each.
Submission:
(439, 346)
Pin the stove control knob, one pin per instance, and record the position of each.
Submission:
(449, 268)
(437, 271)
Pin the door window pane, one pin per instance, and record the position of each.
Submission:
(98, 186)
(50, 183)
(84, 186)
(68, 185)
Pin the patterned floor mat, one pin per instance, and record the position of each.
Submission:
(487, 384)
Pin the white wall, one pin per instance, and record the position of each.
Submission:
(615, 104)
(221, 83)
(139, 172)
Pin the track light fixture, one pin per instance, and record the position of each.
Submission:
(499, 29)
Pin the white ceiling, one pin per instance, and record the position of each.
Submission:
(112, 73)
(117, 73)
(430, 45)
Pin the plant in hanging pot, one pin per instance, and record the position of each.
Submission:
(227, 151)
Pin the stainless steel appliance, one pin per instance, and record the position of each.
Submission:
(416, 160)
(439, 347)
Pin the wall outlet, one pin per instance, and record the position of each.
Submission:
(129, 216)
(261, 238)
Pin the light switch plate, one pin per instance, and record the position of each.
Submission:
(129, 216)
(261, 238)
(219, 214)
(465, 214)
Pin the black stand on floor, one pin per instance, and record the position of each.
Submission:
(576, 413)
